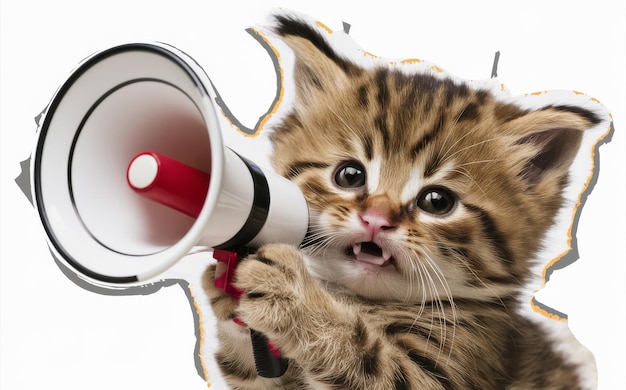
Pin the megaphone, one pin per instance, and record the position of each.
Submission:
(117, 104)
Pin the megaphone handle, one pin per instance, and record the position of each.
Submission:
(267, 359)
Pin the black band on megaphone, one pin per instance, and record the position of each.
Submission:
(258, 212)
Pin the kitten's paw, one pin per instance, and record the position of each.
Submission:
(223, 305)
(276, 288)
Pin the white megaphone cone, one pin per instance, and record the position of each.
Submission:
(117, 104)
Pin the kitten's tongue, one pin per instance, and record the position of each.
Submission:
(368, 252)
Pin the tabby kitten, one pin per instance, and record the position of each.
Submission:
(428, 200)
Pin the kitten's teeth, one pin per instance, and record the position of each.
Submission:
(356, 248)
(386, 254)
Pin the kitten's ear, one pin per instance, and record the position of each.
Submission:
(547, 141)
(318, 68)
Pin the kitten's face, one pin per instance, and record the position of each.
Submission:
(419, 188)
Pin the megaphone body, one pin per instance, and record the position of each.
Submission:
(115, 105)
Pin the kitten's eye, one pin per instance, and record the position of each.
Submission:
(436, 201)
(350, 175)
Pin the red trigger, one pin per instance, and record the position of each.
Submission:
(225, 280)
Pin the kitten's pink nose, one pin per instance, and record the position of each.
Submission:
(375, 222)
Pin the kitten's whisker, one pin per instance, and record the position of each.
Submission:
(347, 126)
(464, 172)
(478, 162)
(320, 238)
(449, 132)
(323, 243)
(461, 138)
(448, 292)
(460, 259)
(413, 276)
(427, 288)
(435, 301)
(448, 157)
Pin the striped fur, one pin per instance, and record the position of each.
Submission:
(443, 315)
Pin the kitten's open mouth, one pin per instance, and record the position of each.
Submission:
(369, 252)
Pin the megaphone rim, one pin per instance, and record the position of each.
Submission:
(187, 64)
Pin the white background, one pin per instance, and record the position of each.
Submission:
(56, 335)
